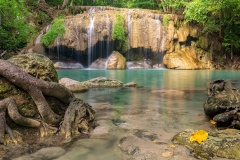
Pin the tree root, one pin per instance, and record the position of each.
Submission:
(77, 115)
(76, 118)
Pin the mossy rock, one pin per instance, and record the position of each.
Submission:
(222, 143)
(36, 65)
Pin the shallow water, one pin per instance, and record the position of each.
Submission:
(168, 102)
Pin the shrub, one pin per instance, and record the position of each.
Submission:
(57, 29)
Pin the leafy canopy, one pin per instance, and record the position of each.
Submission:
(15, 31)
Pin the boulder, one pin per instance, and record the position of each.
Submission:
(182, 59)
(116, 61)
(68, 65)
(76, 86)
(222, 104)
(72, 85)
(36, 65)
(100, 63)
(222, 143)
(102, 82)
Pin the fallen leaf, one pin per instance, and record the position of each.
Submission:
(199, 136)
(171, 146)
(212, 122)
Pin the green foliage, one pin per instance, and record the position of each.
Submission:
(57, 29)
(15, 31)
(165, 20)
(217, 16)
(118, 31)
(118, 28)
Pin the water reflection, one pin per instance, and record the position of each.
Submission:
(169, 102)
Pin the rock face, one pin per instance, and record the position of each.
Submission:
(89, 36)
(182, 59)
(116, 61)
(223, 143)
(223, 104)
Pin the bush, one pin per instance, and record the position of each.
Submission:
(15, 31)
(57, 29)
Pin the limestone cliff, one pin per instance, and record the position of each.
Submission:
(150, 34)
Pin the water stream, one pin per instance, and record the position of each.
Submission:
(168, 102)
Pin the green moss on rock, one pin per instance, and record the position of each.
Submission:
(36, 65)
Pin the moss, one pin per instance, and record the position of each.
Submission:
(57, 29)
(36, 65)
(165, 20)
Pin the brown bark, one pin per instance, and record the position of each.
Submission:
(77, 115)
(36, 88)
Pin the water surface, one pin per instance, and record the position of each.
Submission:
(168, 102)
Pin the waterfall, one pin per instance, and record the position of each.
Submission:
(108, 25)
(39, 38)
(58, 48)
(129, 30)
(90, 32)
(159, 38)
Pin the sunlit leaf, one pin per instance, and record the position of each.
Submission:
(199, 136)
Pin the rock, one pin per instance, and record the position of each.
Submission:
(138, 65)
(36, 65)
(169, 93)
(222, 143)
(223, 104)
(72, 85)
(182, 59)
(67, 65)
(39, 49)
(45, 153)
(98, 82)
(116, 61)
(102, 82)
(131, 84)
(100, 63)
(41, 67)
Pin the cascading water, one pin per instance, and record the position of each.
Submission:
(58, 47)
(129, 30)
(108, 26)
(90, 36)
(159, 39)
(39, 38)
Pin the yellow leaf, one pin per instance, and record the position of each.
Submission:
(171, 146)
(154, 141)
(199, 136)
(212, 122)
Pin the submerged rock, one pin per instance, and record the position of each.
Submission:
(169, 93)
(223, 143)
(98, 82)
(102, 82)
